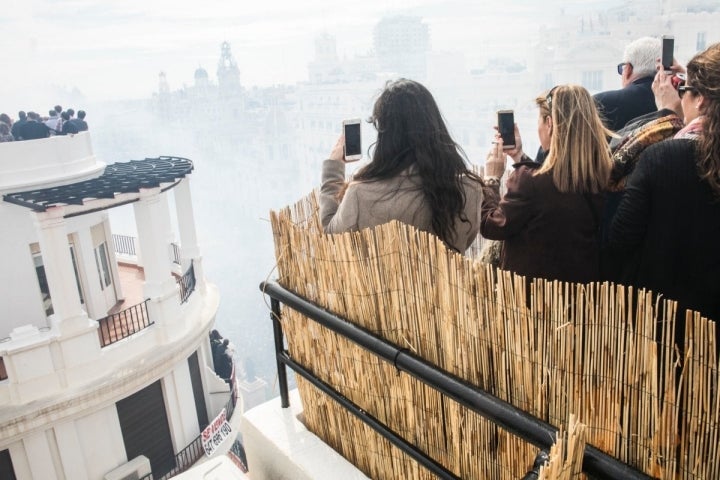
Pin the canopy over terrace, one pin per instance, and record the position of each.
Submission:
(120, 183)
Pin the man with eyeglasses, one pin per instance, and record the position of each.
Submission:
(637, 71)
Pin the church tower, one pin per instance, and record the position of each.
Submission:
(228, 73)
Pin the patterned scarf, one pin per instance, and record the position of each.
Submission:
(692, 130)
(635, 140)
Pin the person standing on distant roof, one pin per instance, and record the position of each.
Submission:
(68, 126)
(5, 135)
(637, 70)
(34, 128)
(52, 121)
(22, 120)
(80, 122)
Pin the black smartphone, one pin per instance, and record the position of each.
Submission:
(353, 146)
(668, 47)
(506, 127)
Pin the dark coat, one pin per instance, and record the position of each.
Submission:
(668, 228)
(33, 130)
(546, 233)
(618, 107)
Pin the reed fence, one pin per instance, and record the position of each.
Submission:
(596, 360)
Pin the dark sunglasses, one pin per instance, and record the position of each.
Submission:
(620, 67)
(685, 88)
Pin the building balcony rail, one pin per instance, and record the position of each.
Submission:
(176, 253)
(189, 455)
(124, 245)
(123, 324)
(187, 284)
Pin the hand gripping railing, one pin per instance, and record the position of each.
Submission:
(514, 420)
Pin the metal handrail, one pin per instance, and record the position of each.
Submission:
(117, 326)
(187, 283)
(520, 423)
(189, 455)
(124, 245)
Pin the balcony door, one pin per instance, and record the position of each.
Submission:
(102, 262)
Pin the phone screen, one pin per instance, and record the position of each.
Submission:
(668, 45)
(506, 127)
(352, 140)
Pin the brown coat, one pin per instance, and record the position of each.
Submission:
(546, 233)
(368, 204)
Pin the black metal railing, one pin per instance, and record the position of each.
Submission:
(121, 325)
(189, 455)
(149, 476)
(3, 370)
(187, 283)
(176, 253)
(124, 245)
(516, 421)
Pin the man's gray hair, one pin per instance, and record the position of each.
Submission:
(642, 54)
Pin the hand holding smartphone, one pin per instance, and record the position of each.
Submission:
(353, 145)
(506, 127)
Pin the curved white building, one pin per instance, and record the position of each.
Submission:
(106, 369)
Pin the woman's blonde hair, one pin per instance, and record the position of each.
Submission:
(579, 157)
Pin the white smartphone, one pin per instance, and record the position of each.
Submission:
(353, 146)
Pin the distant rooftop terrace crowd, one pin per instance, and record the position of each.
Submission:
(31, 126)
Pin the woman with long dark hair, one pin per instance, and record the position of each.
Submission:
(417, 174)
(668, 222)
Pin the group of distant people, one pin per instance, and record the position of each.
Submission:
(31, 126)
(625, 187)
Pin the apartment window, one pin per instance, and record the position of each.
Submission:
(700, 42)
(592, 80)
(103, 265)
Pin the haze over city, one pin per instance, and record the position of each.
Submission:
(257, 137)
(114, 49)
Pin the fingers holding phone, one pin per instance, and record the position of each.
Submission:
(338, 151)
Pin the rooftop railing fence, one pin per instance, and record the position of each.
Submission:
(187, 283)
(505, 415)
(123, 324)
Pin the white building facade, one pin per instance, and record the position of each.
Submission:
(106, 368)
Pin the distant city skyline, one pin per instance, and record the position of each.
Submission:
(110, 50)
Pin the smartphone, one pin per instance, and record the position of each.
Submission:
(506, 127)
(353, 146)
(668, 47)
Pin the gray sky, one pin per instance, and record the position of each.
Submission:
(111, 49)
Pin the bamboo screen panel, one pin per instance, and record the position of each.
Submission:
(600, 354)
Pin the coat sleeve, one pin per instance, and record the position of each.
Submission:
(629, 225)
(504, 218)
(337, 216)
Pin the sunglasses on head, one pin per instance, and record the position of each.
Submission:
(549, 97)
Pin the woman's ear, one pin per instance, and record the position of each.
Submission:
(700, 102)
(549, 125)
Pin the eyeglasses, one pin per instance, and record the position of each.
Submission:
(685, 88)
(620, 67)
(549, 97)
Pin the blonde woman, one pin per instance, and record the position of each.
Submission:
(549, 218)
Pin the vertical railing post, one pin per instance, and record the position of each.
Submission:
(279, 350)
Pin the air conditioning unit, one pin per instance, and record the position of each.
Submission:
(135, 469)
